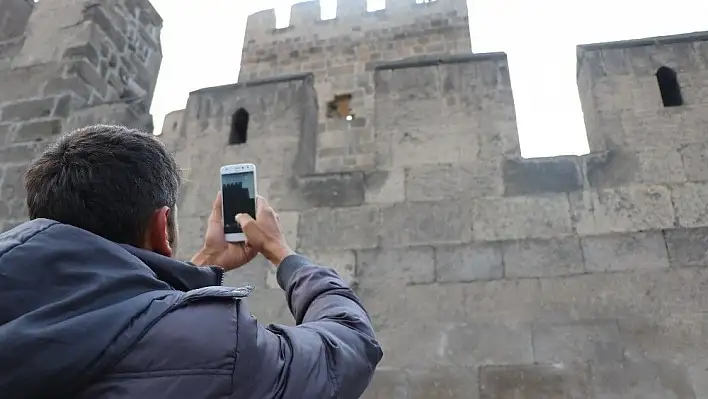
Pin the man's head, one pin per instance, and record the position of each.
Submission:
(113, 181)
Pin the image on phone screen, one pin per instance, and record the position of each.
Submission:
(238, 192)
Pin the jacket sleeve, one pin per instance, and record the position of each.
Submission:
(331, 353)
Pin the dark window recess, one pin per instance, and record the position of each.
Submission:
(669, 87)
(239, 127)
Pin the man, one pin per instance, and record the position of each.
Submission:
(93, 306)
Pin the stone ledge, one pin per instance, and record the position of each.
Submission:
(433, 60)
(649, 41)
(257, 82)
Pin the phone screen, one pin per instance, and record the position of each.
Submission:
(239, 195)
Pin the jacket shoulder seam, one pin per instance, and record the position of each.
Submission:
(166, 373)
(25, 239)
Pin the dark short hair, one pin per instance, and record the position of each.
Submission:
(108, 180)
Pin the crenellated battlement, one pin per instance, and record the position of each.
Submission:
(352, 19)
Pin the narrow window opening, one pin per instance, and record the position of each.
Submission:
(239, 127)
(340, 107)
(669, 87)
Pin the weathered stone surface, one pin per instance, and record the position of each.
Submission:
(690, 204)
(385, 187)
(453, 181)
(426, 223)
(393, 267)
(474, 344)
(343, 228)
(643, 379)
(333, 190)
(543, 258)
(532, 382)
(38, 131)
(687, 247)
(30, 109)
(625, 252)
(443, 383)
(653, 165)
(464, 263)
(388, 384)
(695, 161)
(623, 209)
(594, 341)
(521, 217)
(534, 176)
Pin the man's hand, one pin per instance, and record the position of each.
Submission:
(216, 250)
(265, 234)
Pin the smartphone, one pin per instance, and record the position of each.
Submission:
(238, 193)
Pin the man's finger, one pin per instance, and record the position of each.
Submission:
(217, 209)
(250, 228)
(261, 204)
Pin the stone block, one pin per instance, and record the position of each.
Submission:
(29, 109)
(695, 161)
(269, 307)
(436, 182)
(544, 175)
(391, 308)
(514, 218)
(652, 165)
(18, 153)
(643, 379)
(387, 384)
(543, 258)
(395, 267)
(533, 382)
(42, 130)
(442, 382)
(593, 341)
(687, 247)
(410, 84)
(385, 187)
(476, 344)
(690, 202)
(70, 85)
(333, 189)
(6, 130)
(254, 273)
(412, 146)
(426, 223)
(88, 73)
(615, 252)
(464, 263)
(340, 228)
(622, 209)
(655, 294)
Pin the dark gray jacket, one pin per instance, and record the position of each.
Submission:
(83, 317)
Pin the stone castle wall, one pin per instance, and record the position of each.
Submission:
(486, 275)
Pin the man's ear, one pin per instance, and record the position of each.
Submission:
(158, 232)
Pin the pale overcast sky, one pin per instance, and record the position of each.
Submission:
(202, 42)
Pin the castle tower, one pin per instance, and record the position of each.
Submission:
(66, 64)
(644, 103)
